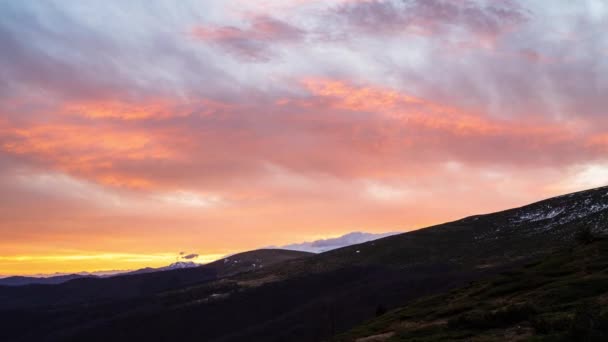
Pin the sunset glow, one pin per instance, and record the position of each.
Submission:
(129, 134)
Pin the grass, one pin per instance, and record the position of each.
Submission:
(560, 298)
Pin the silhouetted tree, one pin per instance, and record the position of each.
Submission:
(584, 235)
(380, 310)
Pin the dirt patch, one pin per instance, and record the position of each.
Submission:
(376, 338)
(259, 281)
(409, 325)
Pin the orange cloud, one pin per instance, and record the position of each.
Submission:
(149, 108)
(422, 113)
(357, 98)
(86, 150)
(117, 110)
(598, 141)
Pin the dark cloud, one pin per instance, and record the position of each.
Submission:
(485, 18)
(190, 256)
(253, 43)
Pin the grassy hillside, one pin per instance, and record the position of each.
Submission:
(561, 298)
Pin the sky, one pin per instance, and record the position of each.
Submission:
(131, 131)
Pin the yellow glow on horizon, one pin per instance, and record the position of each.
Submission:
(100, 262)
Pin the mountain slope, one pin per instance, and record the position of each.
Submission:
(561, 298)
(255, 260)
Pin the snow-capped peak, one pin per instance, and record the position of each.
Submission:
(180, 264)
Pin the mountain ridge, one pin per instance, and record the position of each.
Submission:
(62, 278)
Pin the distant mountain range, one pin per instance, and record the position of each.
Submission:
(178, 265)
(550, 255)
(58, 279)
(317, 246)
(19, 280)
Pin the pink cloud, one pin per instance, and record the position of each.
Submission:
(336, 127)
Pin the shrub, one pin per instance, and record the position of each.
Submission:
(588, 323)
(493, 319)
(380, 310)
(551, 323)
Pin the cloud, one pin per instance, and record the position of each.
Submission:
(584, 176)
(62, 55)
(383, 192)
(324, 245)
(253, 43)
(190, 256)
(482, 19)
(83, 150)
(189, 199)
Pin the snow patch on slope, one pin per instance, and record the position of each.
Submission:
(540, 215)
(554, 216)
